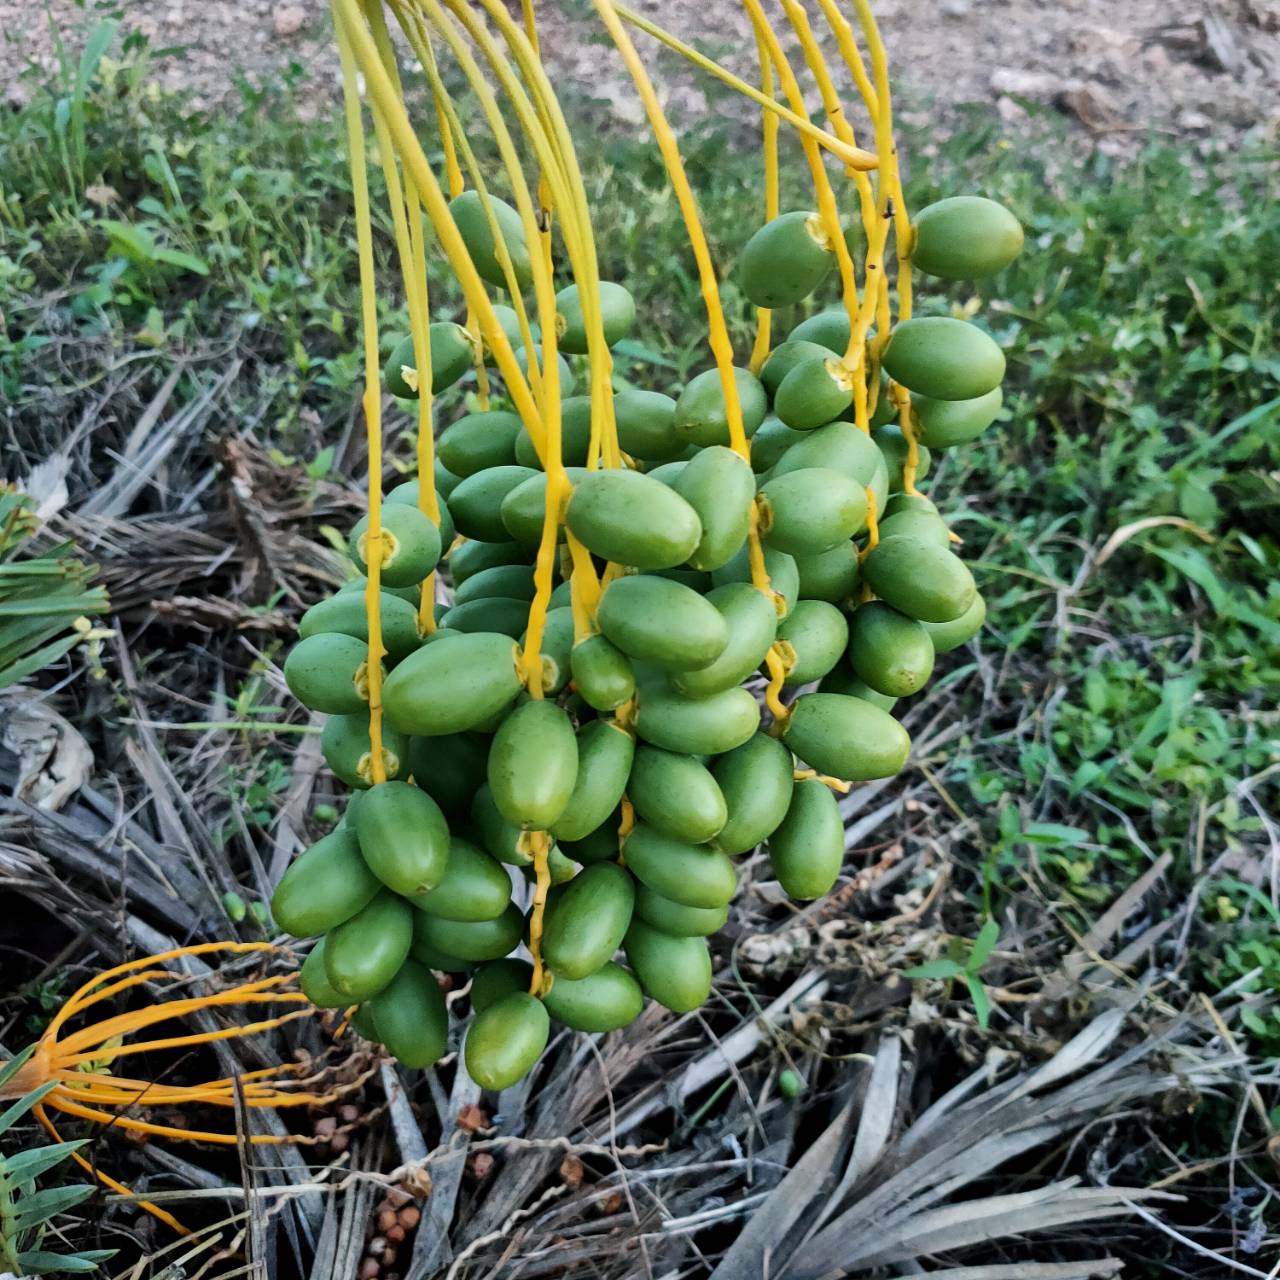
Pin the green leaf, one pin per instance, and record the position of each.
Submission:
(983, 945)
(13, 1114)
(981, 1001)
(187, 261)
(11, 1068)
(934, 969)
(37, 661)
(30, 1164)
(95, 47)
(44, 1205)
(1052, 833)
(39, 1262)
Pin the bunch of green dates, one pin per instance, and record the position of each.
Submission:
(643, 770)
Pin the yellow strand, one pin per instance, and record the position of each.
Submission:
(540, 848)
(769, 144)
(854, 157)
(372, 398)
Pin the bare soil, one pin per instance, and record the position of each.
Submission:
(1191, 68)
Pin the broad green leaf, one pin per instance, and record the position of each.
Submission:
(11, 1116)
(187, 261)
(40, 1207)
(983, 945)
(1052, 833)
(30, 1164)
(981, 1001)
(933, 969)
(39, 1262)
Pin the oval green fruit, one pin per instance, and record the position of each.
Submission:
(901, 502)
(475, 886)
(345, 614)
(838, 446)
(473, 557)
(919, 578)
(445, 481)
(752, 622)
(770, 442)
(453, 684)
(575, 435)
(695, 875)
(819, 634)
(506, 617)
(696, 726)
(784, 577)
(646, 425)
(810, 511)
(362, 1022)
(782, 359)
(564, 370)
(632, 519)
(604, 1000)
(410, 545)
(617, 314)
(497, 979)
(348, 749)
(668, 471)
(590, 916)
(662, 622)
(478, 441)
(756, 780)
(675, 918)
(951, 635)
(365, 952)
(325, 673)
(830, 575)
(785, 260)
(533, 764)
(449, 768)
(676, 794)
(470, 940)
(504, 581)
(451, 357)
(814, 393)
(600, 845)
(720, 487)
(556, 648)
(523, 510)
(846, 737)
(602, 673)
(506, 1040)
(676, 972)
(403, 836)
(701, 415)
(605, 754)
(893, 448)
(410, 1017)
(477, 502)
(807, 850)
(944, 358)
(926, 525)
(830, 329)
(472, 214)
(315, 982)
(327, 885)
(889, 651)
(942, 424)
(843, 680)
(965, 237)
(500, 837)
(509, 323)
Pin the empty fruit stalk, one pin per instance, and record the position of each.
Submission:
(72, 1067)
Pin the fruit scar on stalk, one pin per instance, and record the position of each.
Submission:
(73, 1065)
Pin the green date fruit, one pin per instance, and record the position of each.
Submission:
(676, 972)
(505, 1041)
(889, 651)
(632, 519)
(345, 614)
(662, 622)
(453, 684)
(919, 578)
(589, 917)
(694, 875)
(475, 886)
(325, 672)
(807, 849)
(617, 315)
(756, 780)
(327, 885)
(707, 725)
(604, 1000)
(846, 738)
(965, 237)
(364, 953)
(533, 765)
(403, 836)
(676, 794)
(410, 1017)
(605, 755)
(701, 412)
(472, 216)
(944, 358)
(785, 260)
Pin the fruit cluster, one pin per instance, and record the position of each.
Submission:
(626, 767)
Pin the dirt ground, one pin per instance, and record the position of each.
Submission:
(1119, 68)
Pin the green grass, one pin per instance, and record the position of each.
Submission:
(1125, 711)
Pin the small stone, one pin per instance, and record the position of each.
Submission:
(288, 19)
